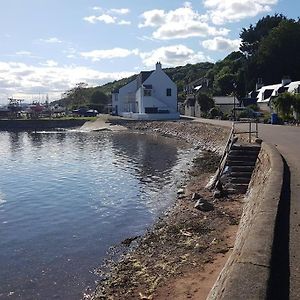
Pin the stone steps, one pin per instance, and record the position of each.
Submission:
(239, 166)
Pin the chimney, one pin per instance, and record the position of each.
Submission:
(158, 66)
(285, 80)
(259, 84)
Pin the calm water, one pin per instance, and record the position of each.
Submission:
(66, 197)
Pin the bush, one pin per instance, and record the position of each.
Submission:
(215, 112)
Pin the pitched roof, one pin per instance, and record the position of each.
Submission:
(142, 77)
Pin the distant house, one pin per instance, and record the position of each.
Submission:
(226, 104)
(152, 95)
(192, 90)
(269, 92)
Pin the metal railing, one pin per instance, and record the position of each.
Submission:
(231, 140)
(221, 166)
(251, 123)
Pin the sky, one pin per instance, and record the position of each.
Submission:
(47, 46)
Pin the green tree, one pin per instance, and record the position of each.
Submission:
(98, 101)
(283, 104)
(251, 37)
(205, 102)
(77, 94)
(278, 53)
(228, 71)
(296, 105)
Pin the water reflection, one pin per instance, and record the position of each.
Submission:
(16, 141)
(150, 157)
(69, 197)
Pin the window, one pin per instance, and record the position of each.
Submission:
(147, 93)
(169, 92)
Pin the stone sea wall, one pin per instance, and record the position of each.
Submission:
(23, 125)
(246, 274)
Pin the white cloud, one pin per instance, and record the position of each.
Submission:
(97, 8)
(107, 19)
(124, 22)
(23, 79)
(24, 53)
(51, 40)
(153, 18)
(173, 56)
(108, 16)
(182, 22)
(221, 44)
(222, 11)
(50, 63)
(96, 55)
(117, 11)
(120, 11)
(70, 52)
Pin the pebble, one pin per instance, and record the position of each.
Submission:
(180, 192)
(204, 205)
(196, 196)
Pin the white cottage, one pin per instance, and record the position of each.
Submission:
(268, 92)
(151, 96)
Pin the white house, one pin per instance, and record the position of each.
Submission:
(151, 96)
(268, 92)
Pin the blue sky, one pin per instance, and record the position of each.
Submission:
(47, 46)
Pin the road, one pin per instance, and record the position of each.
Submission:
(287, 141)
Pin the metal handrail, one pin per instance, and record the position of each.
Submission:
(230, 142)
(224, 156)
(250, 132)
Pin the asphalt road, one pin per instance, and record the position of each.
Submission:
(287, 141)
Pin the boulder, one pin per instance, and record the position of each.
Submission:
(204, 205)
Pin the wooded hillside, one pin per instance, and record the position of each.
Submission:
(269, 50)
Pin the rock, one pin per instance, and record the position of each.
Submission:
(180, 192)
(218, 194)
(258, 141)
(204, 205)
(196, 196)
(128, 241)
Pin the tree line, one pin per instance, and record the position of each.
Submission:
(270, 50)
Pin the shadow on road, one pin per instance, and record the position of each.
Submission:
(279, 281)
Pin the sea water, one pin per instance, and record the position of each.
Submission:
(67, 197)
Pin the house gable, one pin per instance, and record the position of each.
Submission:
(151, 95)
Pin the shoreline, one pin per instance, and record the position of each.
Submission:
(182, 254)
(39, 124)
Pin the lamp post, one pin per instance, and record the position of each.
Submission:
(234, 94)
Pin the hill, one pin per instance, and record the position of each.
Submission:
(98, 97)
(269, 50)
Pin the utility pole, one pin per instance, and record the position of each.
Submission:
(234, 98)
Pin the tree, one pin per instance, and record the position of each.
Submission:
(205, 102)
(98, 101)
(252, 36)
(231, 69)
(283, 104)
(278, 54)
(272, 48)
(223, 85)
(296, 105)
(76, 94)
